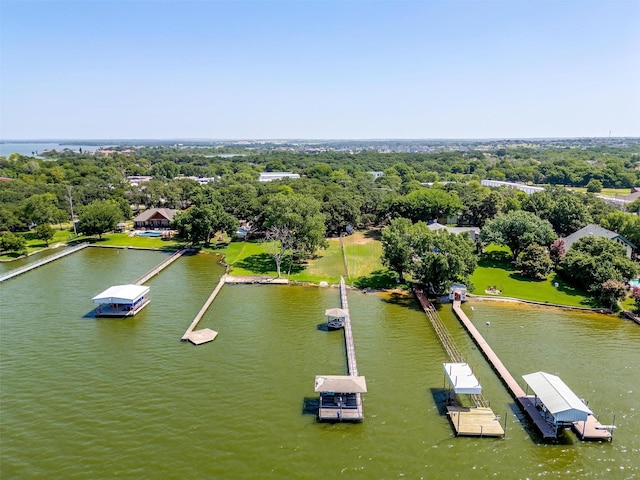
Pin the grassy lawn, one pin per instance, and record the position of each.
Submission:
(124, 240)
(495, 269)
(606, 192)
(363, 254)
(35, 245)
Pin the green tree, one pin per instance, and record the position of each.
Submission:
(569, 215)
(10, 242)
(594, 186)
(99, 217)
(201, 222)
(396, 246)
(517, 230)
(165, 170)
(591, 261)
(44, 232)
(341, 208)
(301, 217)
(41, 208)
(534, 262)
(428, 204)
(440, 258)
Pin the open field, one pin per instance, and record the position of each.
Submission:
(496, 270)
(606, 192)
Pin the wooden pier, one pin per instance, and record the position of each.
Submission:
(352, 365)
(477, 421)
(342, 401)
(198, 337)
(158, 268)
(527, 403)
(44, 261)
(592, 429)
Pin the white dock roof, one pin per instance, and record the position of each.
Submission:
(121, 294)
(462, 378)
(557, 397)
(340, 384)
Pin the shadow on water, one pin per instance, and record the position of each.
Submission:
(441, 398)
(323, 327)
(404, 300)
(311, 406)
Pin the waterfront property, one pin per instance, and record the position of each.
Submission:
(593, 230)
(121, 300)
(154, 218)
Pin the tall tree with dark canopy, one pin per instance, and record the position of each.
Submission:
(99, 217)
(517, 230)
(396, 246)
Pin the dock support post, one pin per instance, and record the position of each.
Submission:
(505, 425)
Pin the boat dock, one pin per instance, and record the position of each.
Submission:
(352, 365)
(527, 403)
(341, 395)
(198, 337)
(44, 261)
(161, 266)
(479, 420)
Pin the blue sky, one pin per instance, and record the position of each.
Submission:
(319, 69)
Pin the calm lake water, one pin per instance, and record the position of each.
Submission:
(86, 398)
(37, 148)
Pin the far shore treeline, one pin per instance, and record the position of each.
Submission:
(397, 187)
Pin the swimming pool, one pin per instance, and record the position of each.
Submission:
(635, 283)
(150, 234)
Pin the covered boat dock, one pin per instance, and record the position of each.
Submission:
(121, 300)
(477, 421)
(561, 407)
(340, 397)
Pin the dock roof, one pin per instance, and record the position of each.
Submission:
(340, 384)
(462, 378)
(336, 312)
(121, 294)
(557, 397)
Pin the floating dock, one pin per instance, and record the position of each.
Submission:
(479, 420)
(44, 261)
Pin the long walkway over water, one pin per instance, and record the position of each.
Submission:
(526, 402)
(161, 266)
(352, 365)
(44, 261)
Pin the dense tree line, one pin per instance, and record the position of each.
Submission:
(336, 190)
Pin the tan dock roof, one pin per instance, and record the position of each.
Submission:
(340, 384)
(336, 312)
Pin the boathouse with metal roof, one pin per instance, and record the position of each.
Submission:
(560, 406)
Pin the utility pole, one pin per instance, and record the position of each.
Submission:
(73, 221)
